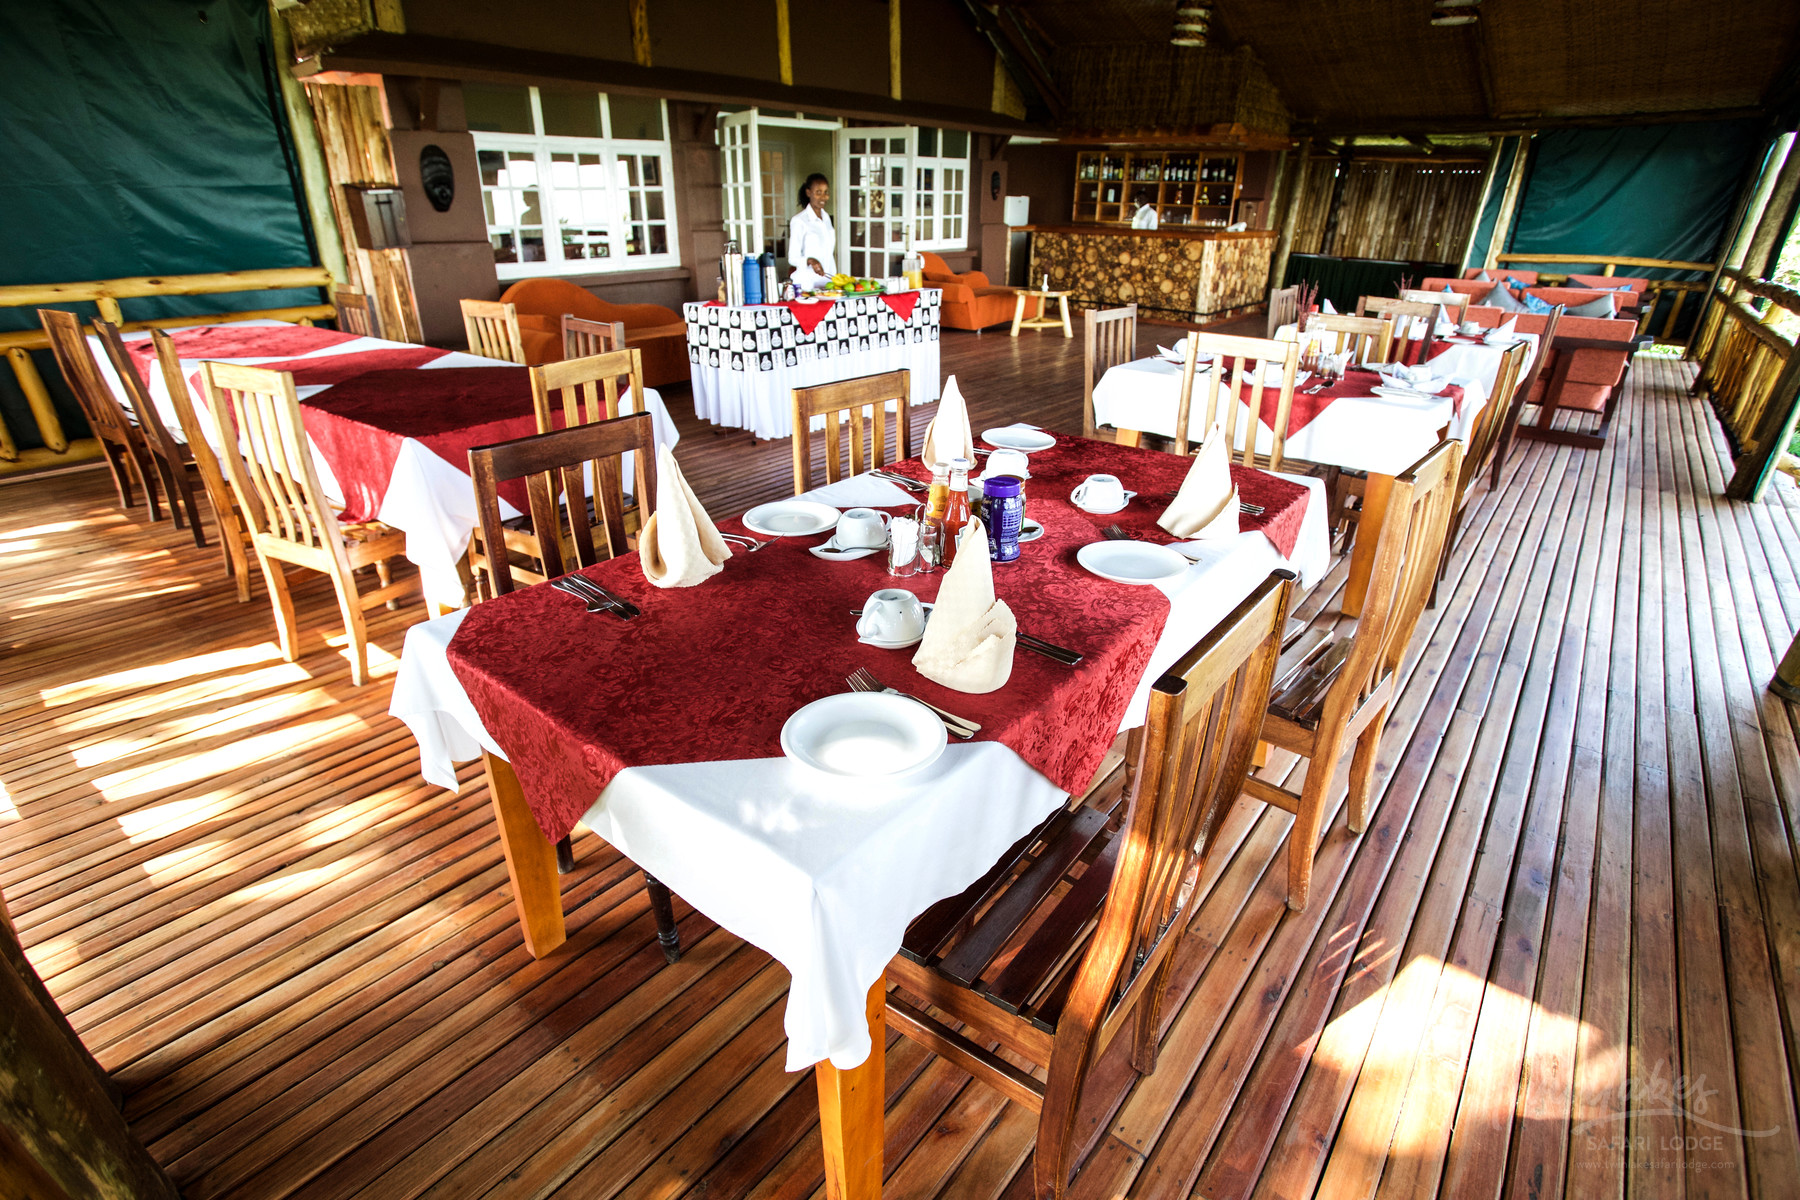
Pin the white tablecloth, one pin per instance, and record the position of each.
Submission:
(1362, 433)
(745, 362)
(826, 878)
(429, 498)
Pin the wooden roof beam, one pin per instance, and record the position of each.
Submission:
(1020, 60)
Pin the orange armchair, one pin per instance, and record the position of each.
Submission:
(657, 332)
(970, 300)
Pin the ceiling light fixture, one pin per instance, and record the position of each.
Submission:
(1455, 12)
(1191, 21)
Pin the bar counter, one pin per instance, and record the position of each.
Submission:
(1191, 273)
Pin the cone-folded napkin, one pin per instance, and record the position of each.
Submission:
(970, 639)
(1206, 506)
(679, 545)
(948, 436)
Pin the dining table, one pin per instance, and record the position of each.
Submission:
(663, 734)
(390, 424)
(745, 360)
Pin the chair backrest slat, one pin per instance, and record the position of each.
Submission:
(843, 405)
(1454, 303)
(1284, 308)
(1239, 361)
(1109, 338)
(354, 313)
(492, 328)
(75, 358)
(1509, 419)
(550, 463)
(1488, 422)
(1371, 339)
(212, 475)
(149, 419)
(1406, 315)
(583, 338)
(267, 461)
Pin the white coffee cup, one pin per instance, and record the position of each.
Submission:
(891, 615)
(1099, 494)
(1007, 462)
(1470, 328)
(861, 527)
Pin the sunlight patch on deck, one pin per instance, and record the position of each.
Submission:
(159, 675)
(268, 750)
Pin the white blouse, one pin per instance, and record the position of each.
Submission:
(811, 236)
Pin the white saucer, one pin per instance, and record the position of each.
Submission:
(1105, 512)
(867, 736)
(1026, 440)
(882, 644)
(1030, 530)
(791, 517)
(1132, 561)
(831, 552)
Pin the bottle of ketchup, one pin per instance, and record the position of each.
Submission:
(956, 509)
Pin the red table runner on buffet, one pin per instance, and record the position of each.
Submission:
(711, 673)
(239, 341)
(810, 312)
(359, 425)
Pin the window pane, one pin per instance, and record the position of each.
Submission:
(492, 163)
(897, 145)
(498, 108)
(928, 143)
(652, 166)
(653, 206)
(659, 239)
(635, 117)
(859, 145)
(956, 143)
(570, 114)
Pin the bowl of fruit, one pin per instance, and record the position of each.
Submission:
(851, 285)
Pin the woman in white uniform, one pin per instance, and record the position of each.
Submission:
(812, 241)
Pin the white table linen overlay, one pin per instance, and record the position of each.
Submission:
(826, 877)
(428, 498)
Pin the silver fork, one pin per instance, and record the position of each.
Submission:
(743, 540)
(862, 681)
(905, 481)
(592, 603)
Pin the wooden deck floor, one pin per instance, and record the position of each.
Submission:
(1564, 959)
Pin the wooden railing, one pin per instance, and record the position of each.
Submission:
(1609, 263)
(1748, 368)
(106, 294)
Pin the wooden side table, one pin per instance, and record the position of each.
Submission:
(1042, 321)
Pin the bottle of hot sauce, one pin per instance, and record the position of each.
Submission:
(956, 511)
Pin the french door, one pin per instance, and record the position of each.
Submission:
(743, 180)
(873, 169)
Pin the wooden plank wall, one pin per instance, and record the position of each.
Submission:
(1394, 210)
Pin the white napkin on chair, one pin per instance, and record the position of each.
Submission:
(948, 436)
(969, 642)
(679, 545)
(1206, 506)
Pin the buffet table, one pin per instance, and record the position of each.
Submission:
(746, 360)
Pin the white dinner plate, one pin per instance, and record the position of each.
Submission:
(1018, 439)
(1403, 393)
(868, 736)
(791, 517)
(1131, 561)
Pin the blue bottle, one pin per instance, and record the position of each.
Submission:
(753, 292)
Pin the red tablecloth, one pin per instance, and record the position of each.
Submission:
(711, 673)
(239, 341)
(359, 424)
(1308, 405)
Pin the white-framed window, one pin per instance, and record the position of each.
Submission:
(573, 182)
(940, 170)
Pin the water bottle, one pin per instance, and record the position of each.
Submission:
(771, 290)
(753, 293)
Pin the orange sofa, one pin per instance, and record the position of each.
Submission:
(970, 301)
(658, 333)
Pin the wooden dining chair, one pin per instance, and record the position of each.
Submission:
(1509, 421)
(234, 532)
(354, 313)
(552, 465)
(1371, 339)
(1455, 304)
(1284, 308)
(1406, 315)
(270, 466)
(1235, 362)
(1479, 448)
(492, 329)
(172, 460)
(1109, 338)
(583, 338)
(127, 452)
(1336, 686)
(844, 405)
(1067, 941)
(581, 391)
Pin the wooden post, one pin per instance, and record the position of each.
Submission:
(1487, 181)
(38, 397)
(1763, 450)
(1786, 683)
(851, 1109)
(315, 178)
(784, 43)
(1776, 216)
(894, 48)
(1290, 213)
(1515, 183)
(1336, 208)
(1763, 185)
(640, 31)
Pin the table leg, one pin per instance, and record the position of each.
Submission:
(850, 1113)
(530, 860)
(1068, 329)
(1018, 314)
(1368, 533)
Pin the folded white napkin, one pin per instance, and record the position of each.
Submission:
(948, 435)
(969, 644)
(1325, 306)
(679, 545)
(1206, 506)
(1509, 328)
